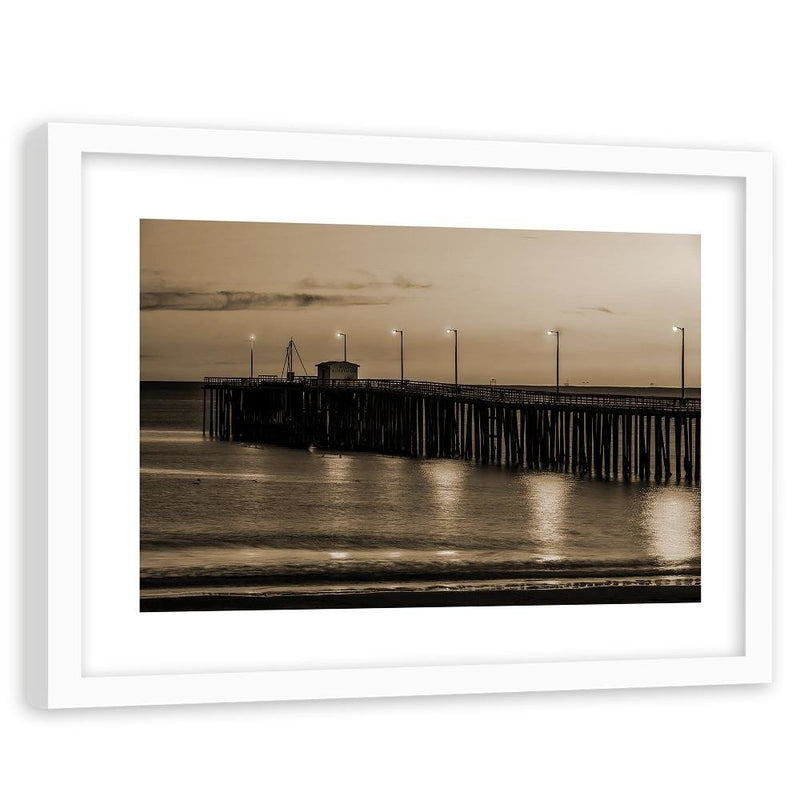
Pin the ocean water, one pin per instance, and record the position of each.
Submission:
(226, 518)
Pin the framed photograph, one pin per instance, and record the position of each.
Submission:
(317, 416)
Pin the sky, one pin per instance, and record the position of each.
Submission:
(206, 287)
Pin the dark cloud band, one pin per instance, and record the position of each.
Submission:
(241, 301)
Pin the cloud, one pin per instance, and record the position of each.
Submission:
(601, 309)
(399, 282)
(352, 286)
(241, 301)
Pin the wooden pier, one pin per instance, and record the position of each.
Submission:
(604, 436)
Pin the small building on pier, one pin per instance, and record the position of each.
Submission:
(337, 371)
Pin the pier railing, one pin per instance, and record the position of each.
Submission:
(494, 394)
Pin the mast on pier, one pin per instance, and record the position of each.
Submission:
(288, 361)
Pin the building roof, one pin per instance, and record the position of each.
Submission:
(337, 363)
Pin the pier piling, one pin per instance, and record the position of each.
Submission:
(602, 436)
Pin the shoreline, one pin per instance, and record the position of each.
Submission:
(594, 595)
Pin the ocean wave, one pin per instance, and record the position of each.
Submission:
(433, 569)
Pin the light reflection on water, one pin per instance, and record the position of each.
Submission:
(446, 495)
(549, 501)
(668, 520)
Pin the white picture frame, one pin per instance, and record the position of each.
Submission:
(58, 485)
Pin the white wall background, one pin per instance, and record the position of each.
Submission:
(684, 73)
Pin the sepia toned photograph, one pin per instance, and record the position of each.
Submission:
(353, 416)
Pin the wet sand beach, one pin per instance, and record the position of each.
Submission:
(596, 595)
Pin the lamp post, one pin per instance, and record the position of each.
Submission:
(344, 336)
(675, 329)
(395, 332)
(455, 355)
(557, 334)
(252, 339)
